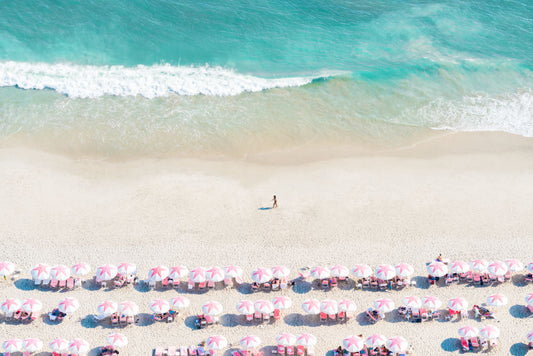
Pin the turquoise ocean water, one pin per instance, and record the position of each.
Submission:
(139, 77)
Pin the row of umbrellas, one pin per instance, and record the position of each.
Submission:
(395, 344)
(487, 332)
(247, 307)
(496, 268)
(31, 305)
(75, 346)
(328, 306)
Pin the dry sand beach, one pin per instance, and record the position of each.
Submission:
(463, 195)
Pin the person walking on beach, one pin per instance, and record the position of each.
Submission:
(275, 204)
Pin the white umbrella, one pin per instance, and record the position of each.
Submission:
(262, 275)
(384, 305)
(180, 302)
(197, 275)
(311, 306)
(78, 346)
(80, 269)
(10, 305)
(264, 306)
(212, 308)
(6, 268)
(233, 271)
(459, 267)
(431, 302)
(404, 269)
(32, 344)
(282, 302)
(128, 308)
(437, 269)
(490, 332)
(117, 340)
(397, 344)
(412, 301)
(375, 340)
(498, 268)
(59, 344)
(530, 336)
(178, 272)
(40, 272)
(347, 305)
(158, 273)
(286, 339)
(12, 345)
(529, 267)
(320, 272)
(457, 304)
(339, 271)
(468, 331)
(107, 307)
(479, 265)
(68, 305)
(497, 300)
(514, 265)
(60, 272)
(329, 306)
(32, 305)
(106, 272)
(362, 271)
(216, 342)
(250, 341)
(385, 272)
(159, 306)
(529, 299)
(280, 272)
(215, 274)
(245, 307)
(353, 343)
(126, 268)
(306, 339)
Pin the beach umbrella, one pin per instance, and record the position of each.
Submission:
(126, 268)
(347, 305)
(311, 306)
(107, 307)
(412, 301)
(212, 308)
(375, 340)
(264, 306)
(180, 302)
(431, 302)
(233, 271)
(6, 268)
(78, 346)
(32, 305)
(245, 307)
(404, 269)
(497, 300)
(329, 306)
(106, 272)
(68, 305)
(353, 343)
(40, 272)
(32, 344)
(216, 342)
(80, 269)
(117, 340)
(306, 339)
(437, 269)
(514, 265)
(498, 268)
(385, 272)
(468, 331)
(60, 272)
(158, 273)
(479, 265)
(59, 344)
(459, 267)
(282, 302)
(178, 272)
(286, 339)
(197, 275)
(320, 272)
(280, 272)
(339, 271)
(529, 299)
(12, 345)
(215, 274)
(10, 305)
(250, 341)
(530, 336)
(262, 275)
(159, 306)
(397, 344)
(128, 308)
(384, 305)
(490, 332)
(362, 271)
(529, 267)
(457, 304)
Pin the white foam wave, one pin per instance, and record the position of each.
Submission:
(84, 81)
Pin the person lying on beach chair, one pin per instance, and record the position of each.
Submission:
(482, 312)
(373, 315)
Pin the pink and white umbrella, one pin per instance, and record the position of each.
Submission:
(12, 345)
(306, 339)
(404, 269)
(78, 346)
(530, 336)
(412, 301)
(320, 272)
(215, 274)
(497, 300)
(32, 305)
(282, 302)
(262, 275)
(40, 272)
(178, 272)
(385, 272)
(180, 302)
(529, 299)
(457, 304)
(212, 308)
(245, 307)
(329, 306)
(6, 268)
(197, 275)
(490, 332)
(479, 265)
(468, 331)
(216, 342)
(107, 307)
(60, 272)
(159, 306)
(80, 269)
(339, 271)
(498, 268)
(117, 340)
(59, 344)
(362, 271)
(353, 343)
(32, 344)
(250, 341)
(311, 306)
(347, 305)
(375, 340)
(529, 267)
(264, 306)
(10, 305)
(233, 271)
(514, 265)
(158, 273)
(459, 267)
(431, 302)
(384, 305)
(106, 272)
(126, 268)
(280, 271)
(397, 344)
(286, 339)
(437, 269)
(128, 308)
(68, 305)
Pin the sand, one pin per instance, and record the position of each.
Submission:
(464, 195)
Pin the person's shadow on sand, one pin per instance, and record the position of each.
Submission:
(265, 208)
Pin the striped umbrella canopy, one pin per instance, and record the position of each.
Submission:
(437, 269)
(159, 306)
(311, 306)
(158, 273)
(468, 331)
(339, 271)
(280, 271)
(286, 339)
(10, 305)
(180, 302)
(397, 344)
(212, 308)
(264, 306)
(282, 302)
(40, 272)
(215, 274)
(6, 268)
(233, 271)
(32, 344)
(530, 336)
(60, 272)
(514, 265)
(306, 339)
(128, 308)
(68, 305)
(353, 343)
(80, 269)
(250, 341)
(12, 345)
(78, 346)
(178, 272)
(375, 340)
(245, 307)
(404, 269)
(412, 301)
(216, 342)
(262, 275)
(107, 307)
(32, 305)
(329, 306)
(529, 299)
(457, 304)
(197, 275)
(117, 340)
(106, 272)
(431, 302)
(347, 305)
(385, 272)
(59, 344)
(320, 272)
(497, 300)
(362, 271)
(498, 268)
(459, 267)
(384, 305)
(479, 265)
(490, 332)
(126, 268)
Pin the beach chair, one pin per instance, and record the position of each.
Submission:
(332, 317)
(373, 283)
(485, 279)
(176, 282)
(323, 317)
(500, 279)
(325, 283)
(464, 345)
(238, 280)
(424, 314)
(201, 351)
(277, 314)
(77, 282)
(529, 277)
(165, 282)
(530, 308)
(123, 320)
(341, 316)
(507, 275)
(114, 319)
(70, 283)
(276, 285)
(448, 279)
(190, 285)
(151, 283)
(130, 320)
(201, 285)
(249, 317)
(266, 317)
(493, 343)
(310, 350)
(171, 351)
(477, 278)
(267, 286)
(474, 342)
(283, 284)
(365, 283)
(469, 277)
(211, 284)
(290, 350)
(228, 282)
(281, 350)
(300, 350)
(333, 282)
(258, 316)
(158, 351)
(62, 283)
(53, 283)
(37, 282)
(192, 350)
(463, 314)
(183, 350)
